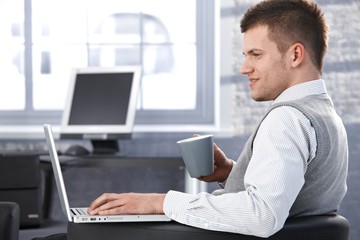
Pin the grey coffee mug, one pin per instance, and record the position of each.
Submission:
(198, 155)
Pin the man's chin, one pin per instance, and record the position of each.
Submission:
(257, 98)
(260, 98)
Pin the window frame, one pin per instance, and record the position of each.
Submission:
(205, 113)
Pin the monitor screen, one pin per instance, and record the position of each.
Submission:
(101, 103)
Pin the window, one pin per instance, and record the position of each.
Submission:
(173, 41)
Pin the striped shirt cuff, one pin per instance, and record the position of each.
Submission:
(176, 204)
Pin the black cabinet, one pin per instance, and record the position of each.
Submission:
(21, 182)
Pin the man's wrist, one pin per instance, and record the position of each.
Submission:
(158, 201)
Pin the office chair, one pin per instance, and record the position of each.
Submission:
(9, 220)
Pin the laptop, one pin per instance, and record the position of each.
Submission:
(80, 215)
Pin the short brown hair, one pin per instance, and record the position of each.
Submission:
(289, 22)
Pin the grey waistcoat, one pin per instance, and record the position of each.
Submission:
(325, 176)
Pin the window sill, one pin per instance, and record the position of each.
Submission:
(36, 131)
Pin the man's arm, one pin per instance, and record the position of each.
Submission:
(137, 203)
(273, 180)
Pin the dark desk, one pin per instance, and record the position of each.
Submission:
(108, 161)
(309, 228)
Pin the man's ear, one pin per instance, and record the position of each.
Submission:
(297, 54)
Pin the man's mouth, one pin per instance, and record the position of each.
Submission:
(252, 81)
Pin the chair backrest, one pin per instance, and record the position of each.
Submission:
(326, 227)
(9, 220)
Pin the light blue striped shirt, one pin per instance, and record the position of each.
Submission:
(242, 212)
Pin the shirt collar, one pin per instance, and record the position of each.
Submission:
(302, 90)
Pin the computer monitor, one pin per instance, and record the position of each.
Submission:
(101, 106)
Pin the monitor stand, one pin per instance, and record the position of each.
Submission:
(105, 146)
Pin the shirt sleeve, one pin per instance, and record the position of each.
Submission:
(272, 181)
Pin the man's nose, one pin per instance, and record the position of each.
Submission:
(245, 68)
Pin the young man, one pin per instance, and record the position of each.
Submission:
(295, 162)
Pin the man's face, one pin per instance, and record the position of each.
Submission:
(265, 66)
